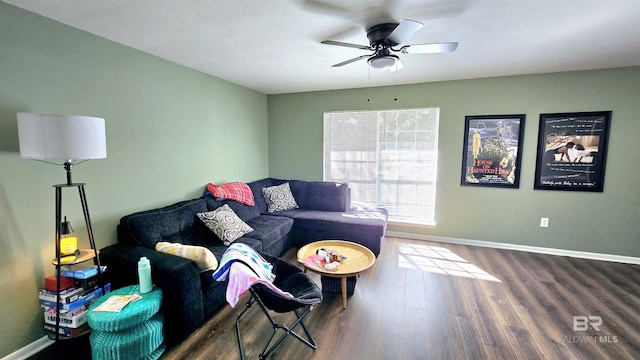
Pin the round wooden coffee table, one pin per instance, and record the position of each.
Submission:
(359, 259)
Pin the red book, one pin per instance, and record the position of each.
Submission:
(65, 283)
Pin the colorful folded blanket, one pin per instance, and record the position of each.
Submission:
(247, 255)
(241, 278)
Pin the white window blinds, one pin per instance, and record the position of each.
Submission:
(388, 157)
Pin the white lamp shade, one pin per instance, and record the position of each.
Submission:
(61, 137)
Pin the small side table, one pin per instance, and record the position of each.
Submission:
(136, 332)
(359, 259)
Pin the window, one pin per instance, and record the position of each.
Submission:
(388, 157)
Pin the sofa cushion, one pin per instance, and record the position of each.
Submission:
(174, 223)
(327, 196)
(314, 195)
(237, 191)
(270, 229)
(279, 198)
(370, 222)
(299, 190)
(225, 224)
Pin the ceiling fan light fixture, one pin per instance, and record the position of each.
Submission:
(383, 62)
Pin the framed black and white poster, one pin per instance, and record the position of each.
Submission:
(572, 151)
(492, 150)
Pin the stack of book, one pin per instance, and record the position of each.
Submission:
(79, 288)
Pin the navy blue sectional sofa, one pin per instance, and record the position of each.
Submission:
(191, 296)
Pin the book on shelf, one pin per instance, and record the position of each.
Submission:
(51, 282)
(91, 296)
(69, 331)
(69, 314)
(68, 321)
(88, 283)
(67, 296)
(80, 271)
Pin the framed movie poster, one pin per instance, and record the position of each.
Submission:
(492, 150)
(572, 150)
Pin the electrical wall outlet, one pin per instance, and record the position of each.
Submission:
(544, 222)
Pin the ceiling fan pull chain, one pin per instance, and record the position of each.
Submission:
(395, 89)
(369, 85)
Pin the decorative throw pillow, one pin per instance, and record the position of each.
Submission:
(279, 198)
(237, 191)
(225, 223)
(202, 256)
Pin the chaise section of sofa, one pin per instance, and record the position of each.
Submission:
(325, 212)
(365, 226)
(192, 296)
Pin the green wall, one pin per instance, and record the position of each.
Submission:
(592, 222)
(170, 130)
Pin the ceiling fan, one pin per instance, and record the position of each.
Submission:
(387, 39)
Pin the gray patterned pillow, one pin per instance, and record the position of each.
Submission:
(279, 198)
(225, 223)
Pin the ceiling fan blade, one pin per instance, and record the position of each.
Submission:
(340, 43)
(326, 9)
(351, 60)
(434, 48)
(404, 31)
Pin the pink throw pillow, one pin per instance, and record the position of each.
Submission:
(237, 191)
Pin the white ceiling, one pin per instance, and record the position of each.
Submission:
(273, 46)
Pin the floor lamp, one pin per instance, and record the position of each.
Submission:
(65, 140)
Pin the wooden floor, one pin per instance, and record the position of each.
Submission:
(425, 300)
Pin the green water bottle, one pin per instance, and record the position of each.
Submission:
(144, 275)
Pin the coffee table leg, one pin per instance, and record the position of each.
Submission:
(343, 283)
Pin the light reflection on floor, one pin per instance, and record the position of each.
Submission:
(439, 260)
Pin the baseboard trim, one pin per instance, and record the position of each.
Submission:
(30, 349)
(507, 246)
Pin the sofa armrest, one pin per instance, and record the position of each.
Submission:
(177, 277)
